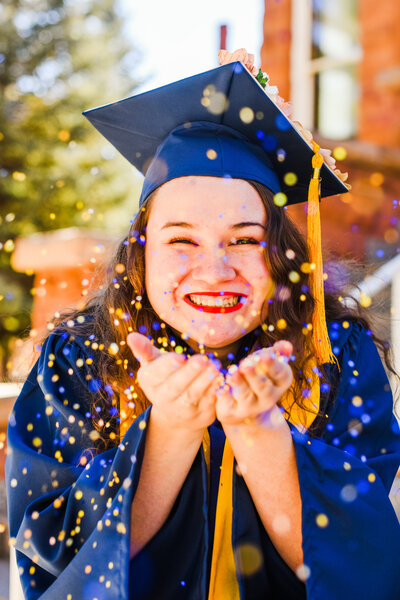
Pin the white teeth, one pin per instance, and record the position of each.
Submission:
(214, 301)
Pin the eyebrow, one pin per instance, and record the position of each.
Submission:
(191, 226)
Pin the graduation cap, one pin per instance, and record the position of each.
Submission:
(160, 134)
(222, 123)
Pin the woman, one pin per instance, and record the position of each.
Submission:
(240, 455)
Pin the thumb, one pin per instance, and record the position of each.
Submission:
(142, 347)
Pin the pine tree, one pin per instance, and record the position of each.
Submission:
(56, 60)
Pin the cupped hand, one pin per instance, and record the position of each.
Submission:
(181, 390)
(256, 386)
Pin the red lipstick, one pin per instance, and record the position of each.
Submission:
(216, 309)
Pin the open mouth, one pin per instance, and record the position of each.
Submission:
(214, 302)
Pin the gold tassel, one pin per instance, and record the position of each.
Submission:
(323, 350)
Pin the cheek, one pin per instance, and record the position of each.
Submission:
(162, 270)
(257, 273)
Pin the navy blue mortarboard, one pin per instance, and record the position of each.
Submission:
(218, 123)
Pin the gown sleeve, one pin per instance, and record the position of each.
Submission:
(69, 507)
(351, 536)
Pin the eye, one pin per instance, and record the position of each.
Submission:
(181, 241)
(243, 241)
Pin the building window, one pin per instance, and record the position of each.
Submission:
(325, 55)
(334, 58)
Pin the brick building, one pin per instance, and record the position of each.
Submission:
(338, 61)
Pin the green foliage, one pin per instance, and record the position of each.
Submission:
(262, 78)
(57, 58)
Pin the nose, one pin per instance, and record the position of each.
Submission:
(213, 267)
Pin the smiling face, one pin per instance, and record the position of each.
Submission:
(206, 274)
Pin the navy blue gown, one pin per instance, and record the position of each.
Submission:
(70, 523)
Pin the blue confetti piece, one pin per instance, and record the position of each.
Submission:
(269, 142)
(282, 123)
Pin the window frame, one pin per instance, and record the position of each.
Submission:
(304, 68)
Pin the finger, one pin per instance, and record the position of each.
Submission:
(241, 391)
(142, 348)
(283, 347)
(270, 362)
(277, 370)
(157, 372)
(185, 376)
(225, 406)
(263, 387)
(201, 390)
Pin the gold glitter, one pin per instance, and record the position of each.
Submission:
(290, 179)
(121, 528)
(294, 276)
(322, 520)
(281, 324)
(339, 153)
(280, 199)
(249, 559)
(246, 114)
(307, 267)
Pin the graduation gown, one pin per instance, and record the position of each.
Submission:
(70, 523)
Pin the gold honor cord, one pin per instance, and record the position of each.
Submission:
(223, 578)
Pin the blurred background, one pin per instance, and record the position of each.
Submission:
(66, 196)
